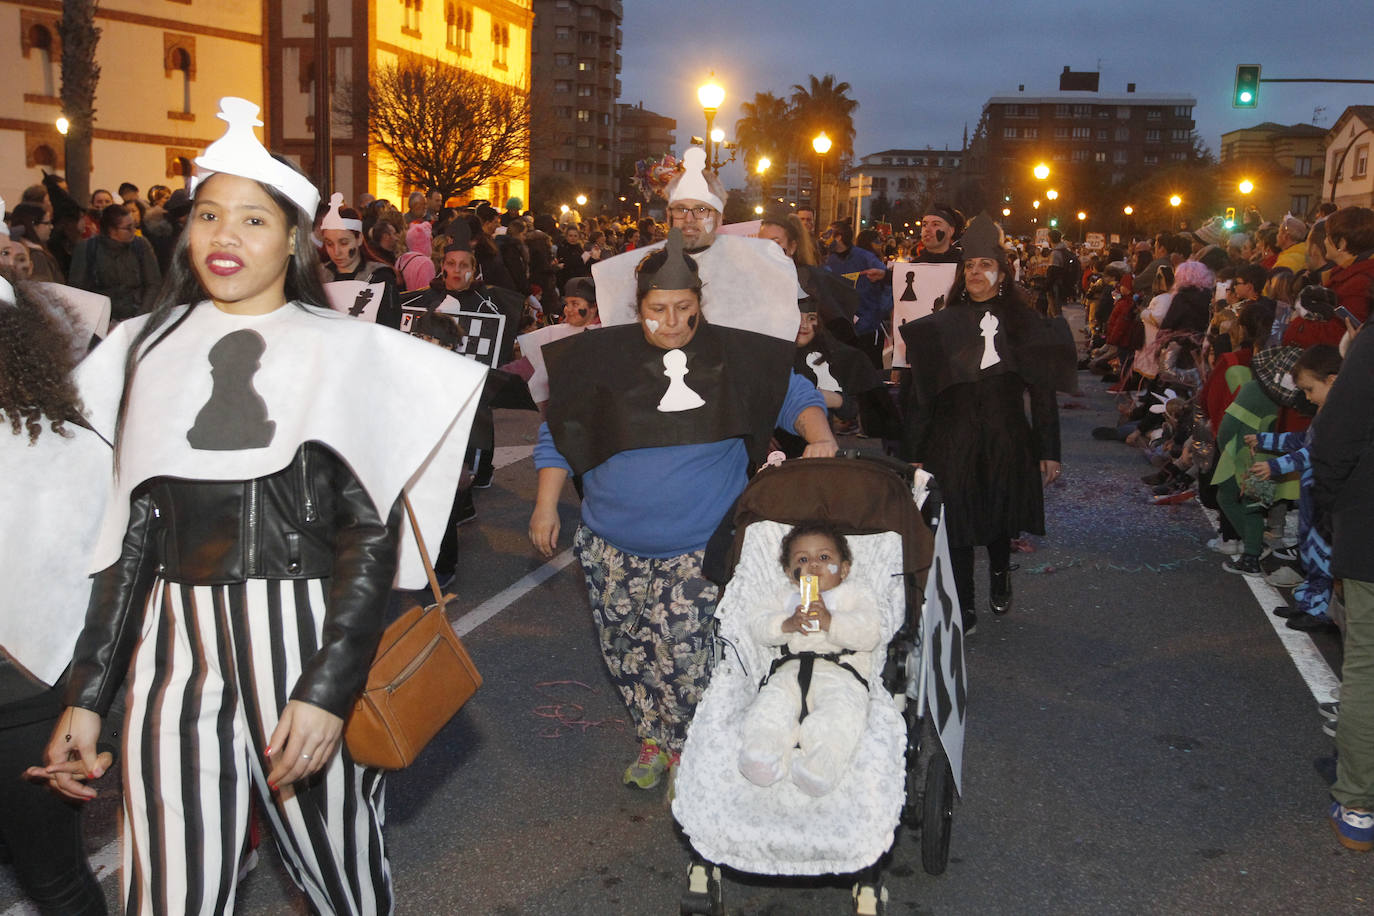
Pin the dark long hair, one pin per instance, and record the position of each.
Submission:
(36, 360)
(1009, 291)
(181, 286)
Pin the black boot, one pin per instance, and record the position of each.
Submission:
(970, 622)
(999, 592)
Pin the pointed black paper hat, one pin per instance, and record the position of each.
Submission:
(982, 239)
(669, 267)
(459, 234)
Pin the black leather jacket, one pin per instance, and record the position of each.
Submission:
(311, 520)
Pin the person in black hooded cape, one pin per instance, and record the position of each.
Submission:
(972, 364)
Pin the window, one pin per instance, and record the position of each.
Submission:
(1122, 134)
(1302, 166)
(1010, 133)
(879, 185)
(1063, 111)
(584, 168)
(562, 86)
(1100, 156)
(1104, 112)
(411, 23)
(1101, 133)
(563, 6)
(1061, 133)
(1082, 133)
(1153, 114)
(584, 115)
(1178, 155)
(179, 64)
(1123, 113)
(1060, 156)
(1080, 155)
(1119, 157)
(584, 142)
(586, 65)
(458, 29)
(563, 111)
(1178, 136)
(1361, 162)
(1152, 158)
(43, 51)
(1082, 111)
(1183, 111)
(500, 41)
(587, 11)
(1030, 133)
(562, 60)
(1300, 203)
(585, 92)
(1152, 135)
(562, 33)
(1030, 111)
(587, 38)
(562, 165)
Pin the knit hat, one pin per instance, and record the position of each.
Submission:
(420, 237)
(334, 220)
(669, 267)
(1273, 370)
(239, 152)
(692, 184)
(1211, 232)
(949, 215)
(1317, 302)
(582, 287)
(1296, 228)
(178, 204)
(982, 239)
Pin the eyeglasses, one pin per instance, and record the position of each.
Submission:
(684, 212)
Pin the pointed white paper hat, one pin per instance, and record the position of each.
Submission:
(332, 219)
(239, 152)
(692, 185)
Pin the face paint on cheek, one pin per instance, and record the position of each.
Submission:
(939, 235)
(692, 322)
(834, 570)
(991, 277)
(708, 224)
(582, 312)
(796, 574)
(652, 325)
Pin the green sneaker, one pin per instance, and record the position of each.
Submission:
(646, 771)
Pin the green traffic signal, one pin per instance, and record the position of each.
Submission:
(1054, 223)
(1246, 93)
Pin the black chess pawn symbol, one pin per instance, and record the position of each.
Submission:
(235, 416)
(909, 294)
(360, 304)
(939, 303)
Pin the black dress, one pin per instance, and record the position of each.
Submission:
(968, 426)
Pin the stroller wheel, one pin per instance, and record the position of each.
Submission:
(870, 899)
(703, 896)
(937, 813)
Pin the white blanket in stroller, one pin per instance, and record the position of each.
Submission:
(779, 829)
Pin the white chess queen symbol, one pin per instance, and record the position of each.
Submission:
(824, 380)
(678, 397)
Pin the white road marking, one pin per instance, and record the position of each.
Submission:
(509, 454)
(1309, 661)
(510, 594)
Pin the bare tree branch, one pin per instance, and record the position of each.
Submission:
(443, 128)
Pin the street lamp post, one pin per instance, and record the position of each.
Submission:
(1081, 217)
(821, 144)
(710, 95)
(761, 169)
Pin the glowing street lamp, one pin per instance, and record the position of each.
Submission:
(1041, 171)
(1035, 204)
(758, 209)
(821, 144)
(1175, 200)
(1082, 216)
(1052, 194)
(763, 164)
(710, 94)
(581, 200)
(1006, 211)
(63, 125)
(1246, 186)
(1128, 209)
(563, 208)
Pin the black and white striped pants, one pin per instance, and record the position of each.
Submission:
(211, 675)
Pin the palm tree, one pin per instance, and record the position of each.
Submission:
(765, 128)
(824, 104)
(80, 76)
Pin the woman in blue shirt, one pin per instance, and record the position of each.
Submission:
(662, 419)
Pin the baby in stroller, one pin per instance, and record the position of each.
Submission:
(814, 698)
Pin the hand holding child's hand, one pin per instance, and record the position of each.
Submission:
(1252, 440)
(1260, 470)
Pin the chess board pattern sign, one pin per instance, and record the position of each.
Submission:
(917, 291)
(355, 298)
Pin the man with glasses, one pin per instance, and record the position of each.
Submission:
(117, 263)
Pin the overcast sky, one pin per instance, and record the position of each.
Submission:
(921, 71)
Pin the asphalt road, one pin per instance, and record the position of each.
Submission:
(1139, 740)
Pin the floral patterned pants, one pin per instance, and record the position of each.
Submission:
(651, 617)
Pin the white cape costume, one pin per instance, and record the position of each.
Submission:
(231, 397)
(51, 493)
(747, 284)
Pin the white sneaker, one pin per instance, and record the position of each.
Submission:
(1284, 577)
(1230, 548)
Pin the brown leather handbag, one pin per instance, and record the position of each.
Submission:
(420, 678)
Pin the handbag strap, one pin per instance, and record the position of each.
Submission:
(424, 552)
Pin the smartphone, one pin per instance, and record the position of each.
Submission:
(1343, 312)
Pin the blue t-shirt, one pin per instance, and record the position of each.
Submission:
(875, 299)
(667, 501)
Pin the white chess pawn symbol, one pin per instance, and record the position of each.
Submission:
(678, 397)
(989, 326)
(824, 380)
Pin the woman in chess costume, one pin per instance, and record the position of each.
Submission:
(249, 545)
(662, 418)
(972, 365)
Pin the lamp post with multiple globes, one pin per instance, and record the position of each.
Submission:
(821, 144)
(710, 94)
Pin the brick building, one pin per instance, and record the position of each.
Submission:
(639, 134)
(1284, 162)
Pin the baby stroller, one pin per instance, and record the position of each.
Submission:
(907, 765)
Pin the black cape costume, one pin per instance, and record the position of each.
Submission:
(606, 383)
(967, 425)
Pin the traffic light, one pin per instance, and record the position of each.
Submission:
(1054, 223)
(1230, 217)
(1246, 94)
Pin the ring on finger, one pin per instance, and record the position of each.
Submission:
(305, 756)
